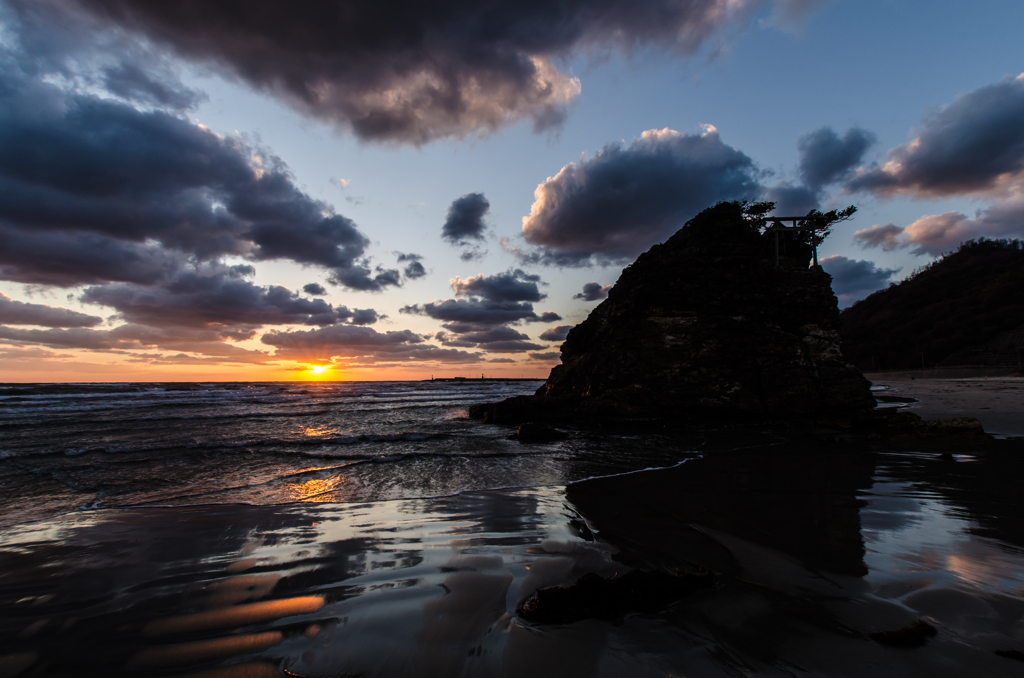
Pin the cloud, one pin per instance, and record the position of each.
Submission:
(934, 234)
(476, 311)
(854, 279)
(414, 269)
(364, 316)
(612, 207)
(502, 339)
(825, 158)
(885, 237)
(212, 295)
(972, 146)
(593, 291)
(474, 254)
(130, 338)
(483, 310)
(130, 81)
(314, 289)
(20, 313)
(465, 220)
(547, 356)
(792, 200)
(512, 285)
(362, 345)
(70, 259)
(93, 189)
(412, 72)
(791, 15)
(556, 333)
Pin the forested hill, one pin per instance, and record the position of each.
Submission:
(965, 308)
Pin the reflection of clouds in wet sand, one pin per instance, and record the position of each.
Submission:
(428, 587)
(936, 567)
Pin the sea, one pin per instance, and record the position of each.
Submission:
(258, 530)
(91, 446)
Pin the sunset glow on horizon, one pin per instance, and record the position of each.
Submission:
(171, 216)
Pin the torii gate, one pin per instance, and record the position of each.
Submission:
(810, 223)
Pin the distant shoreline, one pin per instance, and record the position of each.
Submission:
(951, 372)
(479, 379)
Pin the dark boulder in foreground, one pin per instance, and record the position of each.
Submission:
(704, 323)
(594, 597)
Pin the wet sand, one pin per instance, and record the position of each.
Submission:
(997, 402)
(813, 550)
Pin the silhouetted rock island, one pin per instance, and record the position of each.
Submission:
(704, 324)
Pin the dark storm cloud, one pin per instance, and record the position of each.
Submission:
(97, 178)
(614, 206)
(314, 289)
(854, 279)
(556, 333)
(20, 313)
(973, 145)
(488, 301)
(826, 158)
(212, 295)
(501, 339)
(886, 237)
(593, 291)
(512, 285)
(128, 338)
(465, 220)
(510, 347)
(69, 259)
(360, 344)
(411, 71)
(86, 53)
(474, 311)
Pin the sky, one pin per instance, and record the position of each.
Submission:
(247, 191)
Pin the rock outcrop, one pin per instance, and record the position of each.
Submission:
(705, 323)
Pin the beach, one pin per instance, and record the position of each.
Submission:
(816, 548)
(997, 402)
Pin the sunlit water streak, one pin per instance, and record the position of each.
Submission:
(68, 447)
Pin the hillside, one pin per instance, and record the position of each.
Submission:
(965, 308)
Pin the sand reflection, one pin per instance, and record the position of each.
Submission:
(237, 615)
(428, 587)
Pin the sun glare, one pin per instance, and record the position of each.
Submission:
(319, 370)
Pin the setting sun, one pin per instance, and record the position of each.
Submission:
(318, 370)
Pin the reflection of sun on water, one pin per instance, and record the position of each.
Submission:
(318, 489)
(318, 431)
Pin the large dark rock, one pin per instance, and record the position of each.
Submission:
(704, 323)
